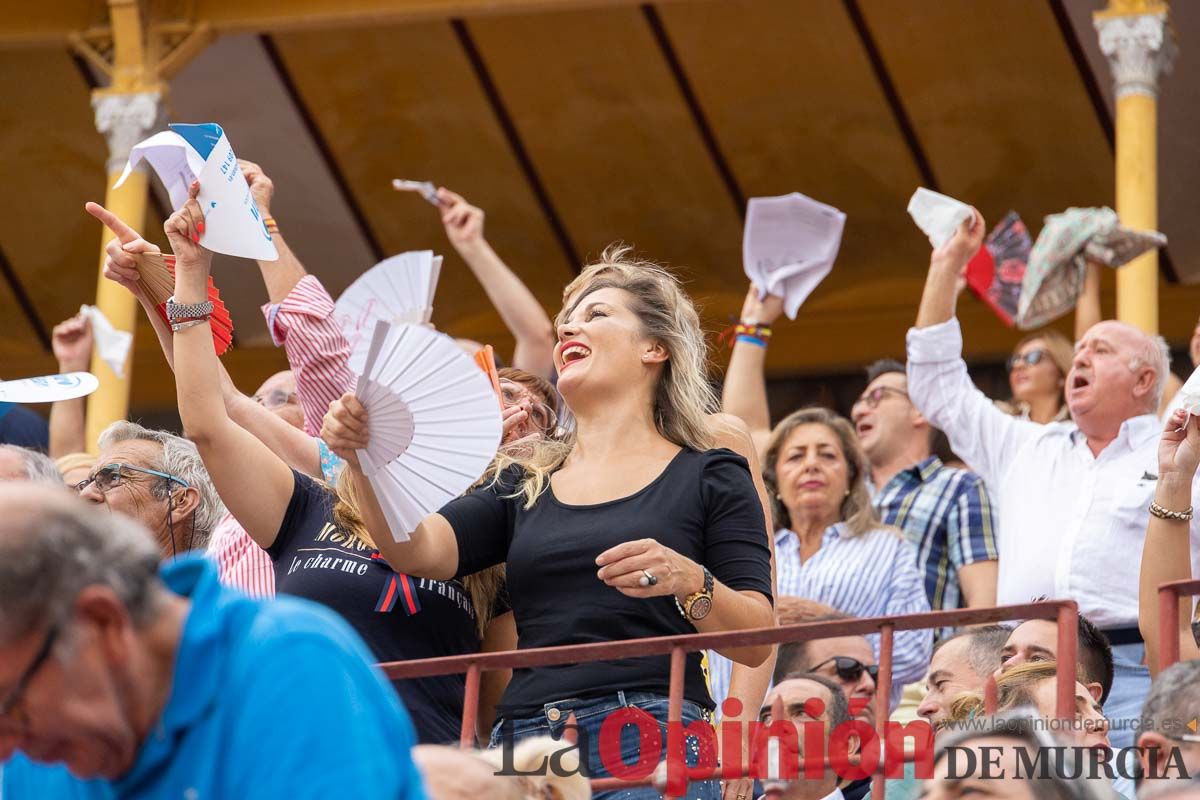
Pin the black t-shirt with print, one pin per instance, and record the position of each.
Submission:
(703, 506)
(399, 617)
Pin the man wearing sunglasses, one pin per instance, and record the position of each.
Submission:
(154, 681)
(158, 479)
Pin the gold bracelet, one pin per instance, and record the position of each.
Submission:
(1164, 513)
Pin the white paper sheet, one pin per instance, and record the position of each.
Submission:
(789, 245)
(937, 215)
(1189, 395)
(232, 222)
(49, 388)
(112, 345)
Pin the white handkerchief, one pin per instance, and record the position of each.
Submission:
(232, 222)
(789, 245)
(1189, 395)
(112, 344)
(937, 215)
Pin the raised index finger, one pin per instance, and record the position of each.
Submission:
(123, 232)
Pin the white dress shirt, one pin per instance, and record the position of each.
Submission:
(1071, 524)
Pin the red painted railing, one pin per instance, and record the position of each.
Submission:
(1064, 612)
(1168, 618)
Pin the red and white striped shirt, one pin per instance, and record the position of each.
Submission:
(241, 563)
(317, 350)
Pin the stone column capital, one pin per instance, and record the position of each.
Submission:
(1139, 48)
(125, 120)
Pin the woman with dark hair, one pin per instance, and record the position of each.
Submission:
(626, 526)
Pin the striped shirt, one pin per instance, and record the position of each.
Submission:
(317, 350)
(872, 575)
(948, 516)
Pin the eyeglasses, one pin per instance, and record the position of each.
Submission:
(13, 700)
(541, 414)
(112, 475)
(850, 669)
(873, 398)
(1032, 358)
(276, 398)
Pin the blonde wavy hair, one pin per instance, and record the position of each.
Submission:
(1014, 688)
(683, 399)
(484, 587)
(856, 510)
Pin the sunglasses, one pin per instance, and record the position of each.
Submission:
(13, 700)
(112, 475)
(849, 669)
(1031, 358)
(873, 398)
(542, 415)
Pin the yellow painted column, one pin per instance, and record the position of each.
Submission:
(125, 118)
(1135, 38)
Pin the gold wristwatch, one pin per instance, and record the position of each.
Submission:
(696, 606)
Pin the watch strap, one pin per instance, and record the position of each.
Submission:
(177, 312)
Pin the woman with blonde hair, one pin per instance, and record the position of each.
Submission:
(1037, 374)
(1034, 684)
(322, 539)
(627, 526)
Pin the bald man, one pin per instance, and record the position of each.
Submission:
(1073, 496)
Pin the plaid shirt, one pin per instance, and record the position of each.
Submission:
(947, 515)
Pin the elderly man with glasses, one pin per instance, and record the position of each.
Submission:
(158, 479)
(154, 681)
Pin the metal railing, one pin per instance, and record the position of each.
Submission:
(1169, 595)
(1064, 612)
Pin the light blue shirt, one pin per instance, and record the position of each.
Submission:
(872, 575)
(270, 699)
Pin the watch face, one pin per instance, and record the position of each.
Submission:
(700, 607)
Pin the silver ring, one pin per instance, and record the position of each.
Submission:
(647, 579)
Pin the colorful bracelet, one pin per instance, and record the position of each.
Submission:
(754, 340)
(752, 329)
(272, 225)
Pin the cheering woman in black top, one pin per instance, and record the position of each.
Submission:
(629, 526)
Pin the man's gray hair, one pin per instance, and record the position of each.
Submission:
(53, 546)
(181, 459)
(1174, 695)
(39, 467)
(1155, 354)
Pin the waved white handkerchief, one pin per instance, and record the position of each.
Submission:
(789, 245)
(937, 215)
(112, 345)
(399, 289)
(1189, 396)
(433, 418)
(423, 188)
(49, 388)
(233, 224)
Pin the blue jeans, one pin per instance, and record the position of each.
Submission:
(590, 715)
(1131, 684)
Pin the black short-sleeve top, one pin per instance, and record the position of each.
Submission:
(703, 506)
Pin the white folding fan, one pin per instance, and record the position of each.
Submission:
(398, 289)
(434, 422)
